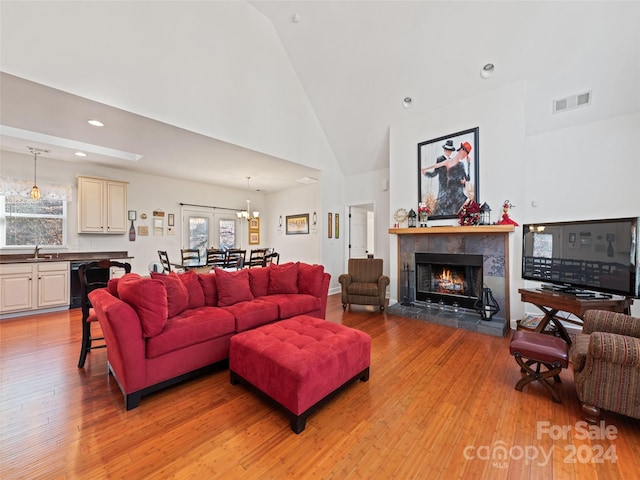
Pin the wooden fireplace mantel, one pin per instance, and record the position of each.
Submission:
(452, 230)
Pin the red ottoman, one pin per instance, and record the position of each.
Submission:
(299, 362)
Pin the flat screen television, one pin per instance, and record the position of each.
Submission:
(584, 256)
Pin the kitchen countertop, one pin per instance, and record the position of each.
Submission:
(62, 257)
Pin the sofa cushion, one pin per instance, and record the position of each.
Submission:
(310, 278)
(177, 295)
(112, 286)
(259, 281)
(253, 313)
(194, 290)
(192, 326)
(148, 298)
(233, 287)
(290, 305)
(283, 278)
(209, 289)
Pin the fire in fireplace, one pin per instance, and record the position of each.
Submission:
(448, 277)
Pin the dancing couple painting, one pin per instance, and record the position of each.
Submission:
(448, 172)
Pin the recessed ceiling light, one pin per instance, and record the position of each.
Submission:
(487, 70)
(407, 102)
(81, 154)
(307, 180)
(95, 123)
(295, 18)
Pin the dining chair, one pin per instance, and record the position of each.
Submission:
(236, 258)
(217, 257)
(271, 258)
(190, 255)
(257, 257)
(164, 260)
(93, 275)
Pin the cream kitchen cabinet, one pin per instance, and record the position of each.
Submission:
(102, 206)
(26, 286)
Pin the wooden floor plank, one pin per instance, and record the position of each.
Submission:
(439, 404)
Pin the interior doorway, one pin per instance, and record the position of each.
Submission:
(360, 230)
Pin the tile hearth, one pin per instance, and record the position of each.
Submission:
(464, 318)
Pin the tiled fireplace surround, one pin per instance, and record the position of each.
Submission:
(489, 241)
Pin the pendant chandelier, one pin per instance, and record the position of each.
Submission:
(35, 191)
(248, 214)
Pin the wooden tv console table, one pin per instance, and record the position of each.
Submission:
(552, 302)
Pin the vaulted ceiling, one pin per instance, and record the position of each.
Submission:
(216, 91)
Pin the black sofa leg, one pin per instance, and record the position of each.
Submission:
(132, 400)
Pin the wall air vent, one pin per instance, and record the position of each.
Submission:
(571, 102)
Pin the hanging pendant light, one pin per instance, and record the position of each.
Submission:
(35, 191)
(248, 215)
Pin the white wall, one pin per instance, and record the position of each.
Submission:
(145, 194)
(500, 118)
(366, 188)
(587, 170)
(215, 68)
(305, 199)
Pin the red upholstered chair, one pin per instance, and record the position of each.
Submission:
(364, 284)
(93, 275)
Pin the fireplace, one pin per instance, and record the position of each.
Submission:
(448, 277)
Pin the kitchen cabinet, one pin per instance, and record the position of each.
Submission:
(25, 286)
(102, 206)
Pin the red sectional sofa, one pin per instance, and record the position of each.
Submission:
(167, 328)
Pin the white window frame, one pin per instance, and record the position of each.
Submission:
(3, 225)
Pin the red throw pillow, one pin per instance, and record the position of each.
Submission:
(283, 278)
(310, 279)
(259, 281)
(209, 289)
(177, 295)
(233, 287)
(194, 290)
(149, 300)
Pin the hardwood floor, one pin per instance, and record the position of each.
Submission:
(440, 404)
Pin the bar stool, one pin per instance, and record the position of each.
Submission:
(532, 351)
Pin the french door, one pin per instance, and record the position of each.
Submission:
(203, 229)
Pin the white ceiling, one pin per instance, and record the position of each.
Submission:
(355, 62)
(165, 150)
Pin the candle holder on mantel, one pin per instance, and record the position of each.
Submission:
(412, 218)
(485, 214)
(486, 305)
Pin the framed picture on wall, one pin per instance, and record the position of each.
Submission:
(254, 237)
(330, 225)
(448, 172)
(298, 224)
(254, 223)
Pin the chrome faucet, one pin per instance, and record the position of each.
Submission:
(36, 251)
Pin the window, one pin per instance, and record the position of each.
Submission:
(203, 229)
(227, 233)
(28, 222)
(198, 232)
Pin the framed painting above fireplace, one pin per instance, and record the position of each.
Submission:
(448, 172)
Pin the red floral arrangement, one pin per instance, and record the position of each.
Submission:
(469, 213)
